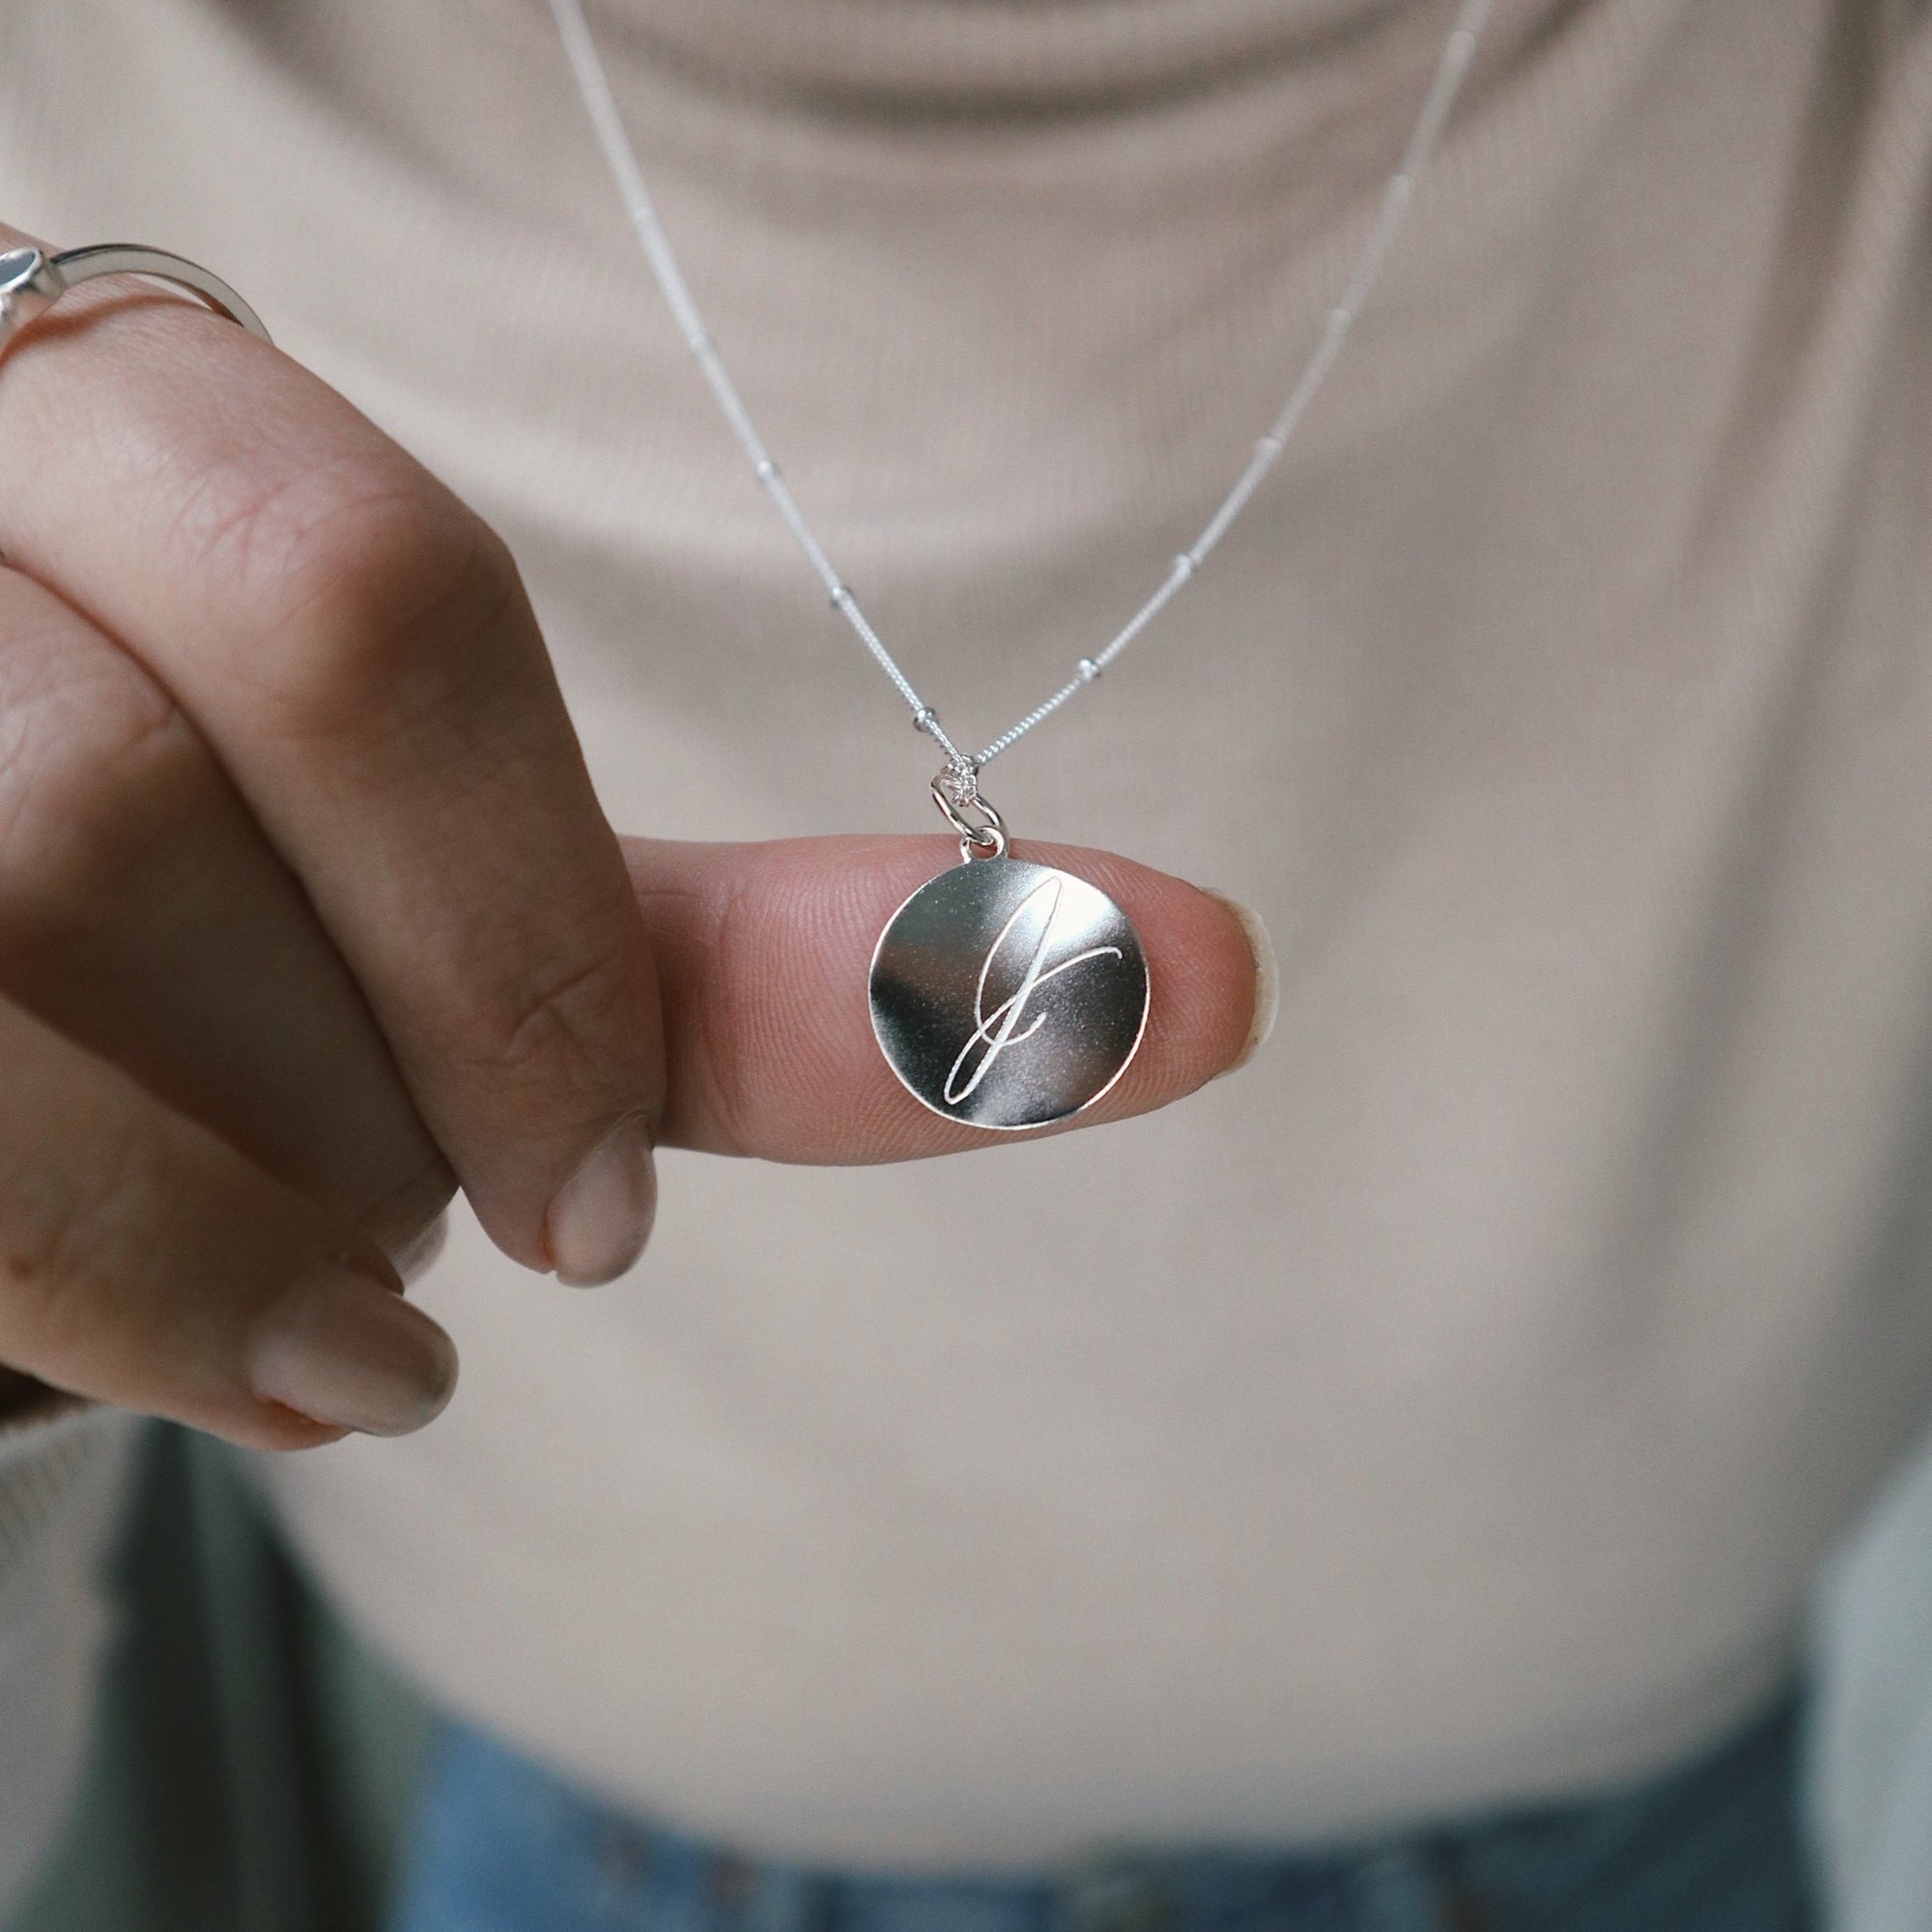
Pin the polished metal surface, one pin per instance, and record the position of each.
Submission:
(1009, 995)
(32, 281)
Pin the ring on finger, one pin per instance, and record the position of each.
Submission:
(32, 281)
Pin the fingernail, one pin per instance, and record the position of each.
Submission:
(417, 1256)
(602, 1215)
(342, 1349)
(1267, 978)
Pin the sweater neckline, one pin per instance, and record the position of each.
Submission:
(987, 61)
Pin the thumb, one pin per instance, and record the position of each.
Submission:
(764, 953)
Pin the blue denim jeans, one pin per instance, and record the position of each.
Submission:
(1712, 1847)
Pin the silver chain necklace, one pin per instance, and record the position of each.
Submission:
(1005, 994)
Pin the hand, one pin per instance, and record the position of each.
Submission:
(309, 913)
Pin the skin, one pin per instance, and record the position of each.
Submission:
(308, 915)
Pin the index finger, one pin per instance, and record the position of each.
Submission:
(356, 646)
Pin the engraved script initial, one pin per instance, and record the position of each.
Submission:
(998, 1030)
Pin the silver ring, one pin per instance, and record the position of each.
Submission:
(32, 281)
(984, 837)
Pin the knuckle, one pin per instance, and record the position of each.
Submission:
(556, 1023)
(368, 585)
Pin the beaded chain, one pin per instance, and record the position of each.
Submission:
(1398, 195)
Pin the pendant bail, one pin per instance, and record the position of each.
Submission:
(983, 832)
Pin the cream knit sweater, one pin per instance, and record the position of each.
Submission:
(1450, 1407)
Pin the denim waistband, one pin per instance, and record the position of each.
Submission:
(1713, 1846)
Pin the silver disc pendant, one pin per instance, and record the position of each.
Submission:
(1009, 995)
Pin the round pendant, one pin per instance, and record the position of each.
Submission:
(1009, 995)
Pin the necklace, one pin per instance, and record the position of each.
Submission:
(1005, 994)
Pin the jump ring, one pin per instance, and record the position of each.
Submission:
(982, 838)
